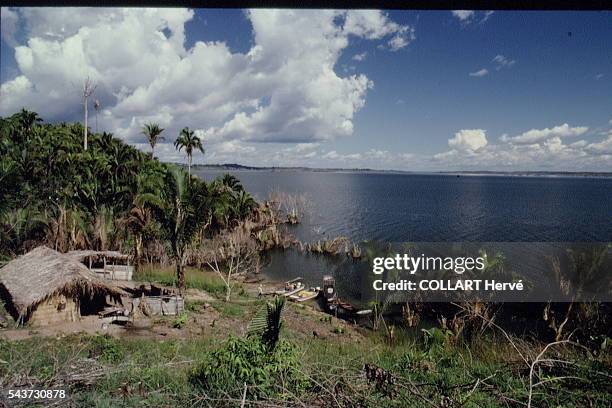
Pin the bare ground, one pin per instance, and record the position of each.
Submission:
(206, 318)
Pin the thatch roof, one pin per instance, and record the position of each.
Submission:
(43, 273)
(83, 255)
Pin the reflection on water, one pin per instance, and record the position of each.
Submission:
(432, 208)
(549, 271)
(398, 208)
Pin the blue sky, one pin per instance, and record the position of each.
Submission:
(411, 90)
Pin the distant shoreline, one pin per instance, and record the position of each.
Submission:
(240, 167)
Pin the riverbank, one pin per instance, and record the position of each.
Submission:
(238, 167)
(339, 364)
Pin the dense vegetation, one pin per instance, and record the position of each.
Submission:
(110, 196)
(339, 368)
(113, 196)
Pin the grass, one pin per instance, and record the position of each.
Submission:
(194, 278)
(130, 367)
(146, 372)
(102, 371)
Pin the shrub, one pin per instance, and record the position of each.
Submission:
(247, 360)
(106, 348)
(180, 321)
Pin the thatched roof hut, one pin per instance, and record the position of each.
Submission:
(86, 254)
(43, 274)
(111, 265)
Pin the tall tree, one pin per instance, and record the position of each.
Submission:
(28, 119)
(97, 107)
(153, 133)
(180, 211)
(188, 140)
(88, 89)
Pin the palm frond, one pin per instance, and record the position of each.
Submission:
(267, 322)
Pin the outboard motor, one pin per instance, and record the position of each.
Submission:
(329, 288)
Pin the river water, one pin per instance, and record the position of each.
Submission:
(390, 207)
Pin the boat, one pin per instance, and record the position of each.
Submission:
(305, 295)
(288, 293)
(341, 307)
(290, 288)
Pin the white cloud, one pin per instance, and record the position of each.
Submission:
(480, 73)
(550, 154)
(403, 37)
(486, 16)
(375, 25)
(501, 61)
(537, 135)
(9, 20)
(360, 57)
(603, 147)
(541, 153)
(467, 152)
(470, 16)
(463, 15)
(599, 76)
(468, 140)
(284, 89)
(578, 144)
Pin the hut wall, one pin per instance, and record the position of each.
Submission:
(57, 309)
(115, 272)
(161, 305)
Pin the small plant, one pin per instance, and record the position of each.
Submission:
(436, 340)
(338, 330)
(193, 306)
(107, 349)
(267, 322)
(180, 321)
(249, 361)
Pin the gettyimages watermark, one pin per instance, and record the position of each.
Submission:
(458, 265)
(499, 272)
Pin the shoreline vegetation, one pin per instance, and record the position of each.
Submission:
(231, 347)
(239, 167)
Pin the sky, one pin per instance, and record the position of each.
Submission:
(405, 90)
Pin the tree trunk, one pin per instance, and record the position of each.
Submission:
(138, 251)
(189, 165)
(85, 130)
(180, 275)
(228, 292)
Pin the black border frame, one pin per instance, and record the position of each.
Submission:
(333, 4)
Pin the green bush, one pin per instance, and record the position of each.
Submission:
(107, 349)
(180, 321)
(247, 360)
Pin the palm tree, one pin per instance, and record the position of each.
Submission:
(180, 212)
(232, 182)
(153, 133)
(189, 141)
(244, 204)
(137, 221)
(28, 119)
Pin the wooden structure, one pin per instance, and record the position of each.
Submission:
(165, 305)
(44, 287)
(329, 288)
(110, 265)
